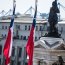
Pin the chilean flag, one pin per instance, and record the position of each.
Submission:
(8, 44)
(30, 42)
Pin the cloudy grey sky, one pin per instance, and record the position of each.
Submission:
(23, 5)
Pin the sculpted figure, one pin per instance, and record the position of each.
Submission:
(53, 18)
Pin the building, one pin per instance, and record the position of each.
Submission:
(22, 26)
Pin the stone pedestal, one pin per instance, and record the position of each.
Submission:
(47, 49)
(51, 42)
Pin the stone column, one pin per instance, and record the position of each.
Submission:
(16, 55)
(35, 61)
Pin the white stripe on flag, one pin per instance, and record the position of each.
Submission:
(10, 51)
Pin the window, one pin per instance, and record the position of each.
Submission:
(0, 49)
(35, 38)
(45, 27)
(20, 52)
(0, 61)
(28, 37)
(17, 37)
(5, 27)
(5, 36)
(2, 35)
(13, 51)
(41, 28)
(19, 63)
(26, 63)
(29, 28)
(17, 34)
(39, 62)
(25, 27)
(18, 27)
(24, 38)
(12, 62)
(48, 28)
(36, 28)
(61, 29)
(21, 37)
(39, 37)
(2, 27)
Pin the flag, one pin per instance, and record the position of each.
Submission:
(8, 44)
(30, 42)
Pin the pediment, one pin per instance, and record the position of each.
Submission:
(47, 43)
(39, 46)
(51, 45)
(61, 47)
(50, 42)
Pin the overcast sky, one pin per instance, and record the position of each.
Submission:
(23, 5)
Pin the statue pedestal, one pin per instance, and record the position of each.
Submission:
(51, 42)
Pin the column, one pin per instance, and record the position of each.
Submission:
(35, 62)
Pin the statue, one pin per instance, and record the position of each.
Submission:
(53, 20)
(60, 59)
(59, 62)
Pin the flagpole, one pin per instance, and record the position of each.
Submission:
(30, 42)
(14, 3)
(36, 1)
(9, 40)
(13, 15)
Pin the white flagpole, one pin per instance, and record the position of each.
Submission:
(14, 3)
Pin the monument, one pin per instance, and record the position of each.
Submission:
(50, 45)
(53, 21)
(53, 37)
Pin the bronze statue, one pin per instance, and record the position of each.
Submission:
(53, 20)
(59, 62)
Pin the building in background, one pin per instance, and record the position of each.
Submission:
(22, 26)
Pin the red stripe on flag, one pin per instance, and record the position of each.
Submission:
(7, 45)
(7, 61)
(30, 46)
